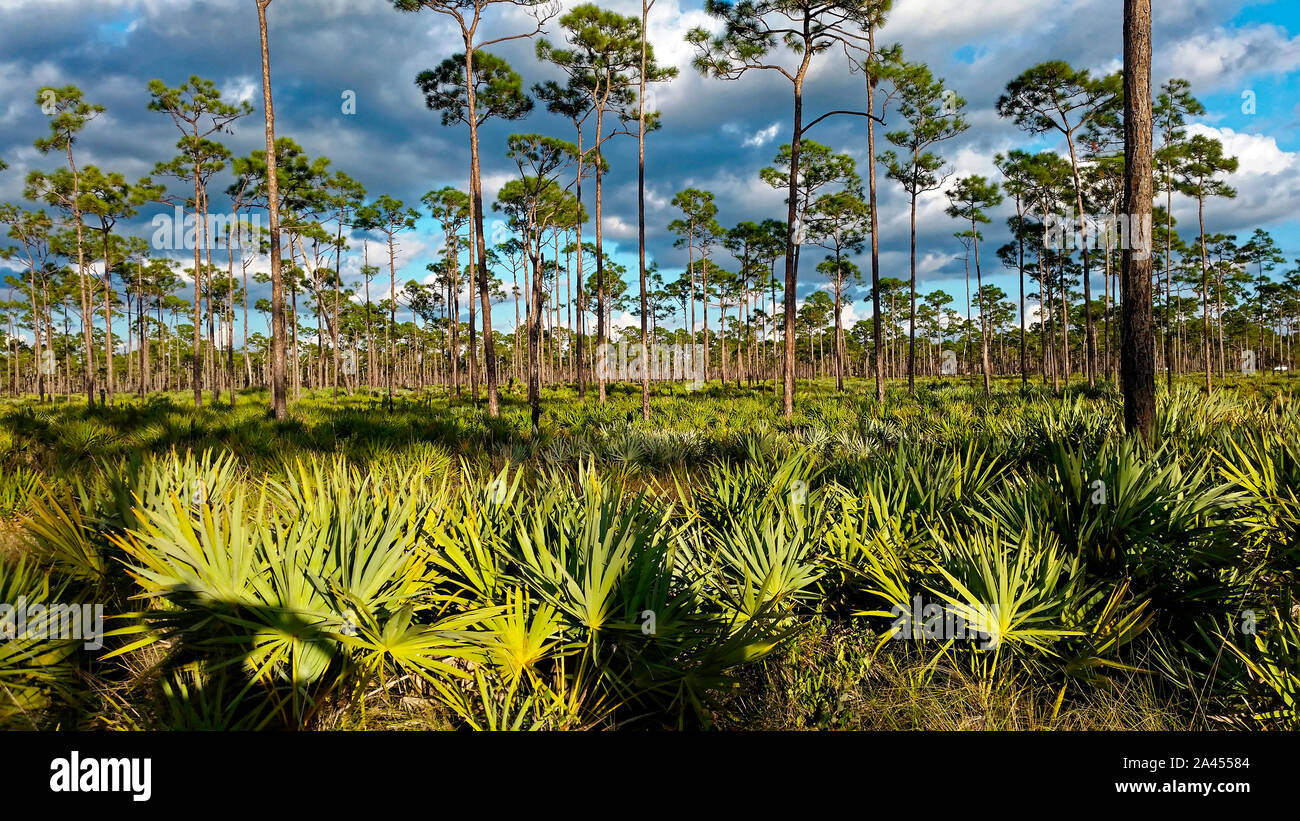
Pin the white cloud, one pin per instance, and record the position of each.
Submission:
(1226, 58)
(1267, 182)
(615, 227)
(762, 137)
(242, 88)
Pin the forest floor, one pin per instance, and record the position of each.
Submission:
(777, 554)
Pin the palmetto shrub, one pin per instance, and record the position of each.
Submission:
(36, 673)
(1264, 466)
(304, 584)
(522, 598)
(1025, 602)
(358, 561)
(1274, 665)
(1125, 507)
(17, 485)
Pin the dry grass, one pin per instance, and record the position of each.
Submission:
(829, 680)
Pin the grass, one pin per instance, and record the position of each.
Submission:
(426, 566)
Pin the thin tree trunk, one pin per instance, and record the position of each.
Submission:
(1137, 369)
(878, 354)
(1205, 293)
(791, 269)
(979, 296)
(480, 244)
(279, 403)
(640, 221)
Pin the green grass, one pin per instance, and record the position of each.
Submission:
(426, 566)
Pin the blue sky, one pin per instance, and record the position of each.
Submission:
(716, 135)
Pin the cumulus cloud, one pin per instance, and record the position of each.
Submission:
(1224, 58)
(1267, 182)
(762, 137)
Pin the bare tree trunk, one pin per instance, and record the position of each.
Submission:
(295, 352)
(792, 239)
(196, 371)
(535, 336)
(471, 358)
(582, 297)
(370, 345)
(230, 312)
(878, 354)
(911, 317)
(1218, 315)
(1089, 342)
(390, 332)
(248, 364)
(640, 221)
(1105, 356)
(1137, 353)
(979, 297)
(279, 400)
(108, 320)
(87, 332)
(338, 278)
(1205, 295)
(480, 244)
(208, 271)
(839, 327)
(1020, 264)
(704, 298)
(36, 326)
(601, 328)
